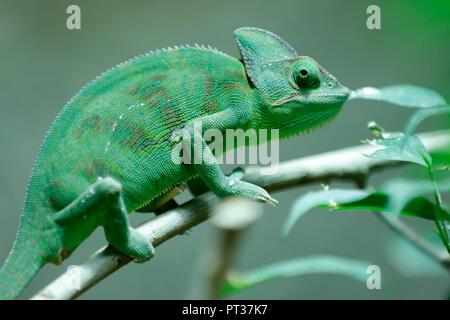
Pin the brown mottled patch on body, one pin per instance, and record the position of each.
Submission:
(54, 191)
(54, 182)
(209, 103)
(229, 87)
(78, 133)
(233, 86)
(138, 85)
(93, 167)
(134, 89)
(144, 143)
(95, 122)
(159, 76)
(152, 97)
(235, 74)
(135, 135)
(208, 84)
(172, 118)
(153, 86)
(162, 95)
(75, 170)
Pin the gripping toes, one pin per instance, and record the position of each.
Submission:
(138, 247)
(248, 190)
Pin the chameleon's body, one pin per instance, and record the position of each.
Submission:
(109, 151)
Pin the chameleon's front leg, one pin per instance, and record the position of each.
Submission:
(206, 165)
(102, 205)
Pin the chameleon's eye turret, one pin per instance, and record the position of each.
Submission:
(306, 73)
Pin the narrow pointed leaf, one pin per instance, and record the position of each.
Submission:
(403, 95)
(320, 198)
(402, 191)
(236, 282)
(419, 207)
(406, 197)
(422, 114)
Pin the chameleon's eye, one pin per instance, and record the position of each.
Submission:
(306, 73)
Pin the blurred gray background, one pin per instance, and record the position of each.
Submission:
(42, 64)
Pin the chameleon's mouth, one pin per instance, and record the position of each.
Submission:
(331, 96)
(325, 98)
(343, 94)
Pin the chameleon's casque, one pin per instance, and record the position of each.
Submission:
(108, 152)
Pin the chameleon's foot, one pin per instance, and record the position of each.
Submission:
(248, 190)
(104, 199)
(138, 247)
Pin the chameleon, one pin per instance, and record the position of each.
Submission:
(108, 152)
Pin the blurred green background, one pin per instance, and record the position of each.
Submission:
(42, 64)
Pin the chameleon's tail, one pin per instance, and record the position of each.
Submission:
(22, 264)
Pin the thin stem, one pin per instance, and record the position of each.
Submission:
(406, 232)
(414, 238)
(440, 224)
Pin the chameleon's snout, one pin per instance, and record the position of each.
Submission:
(343, 94)
(346, 91)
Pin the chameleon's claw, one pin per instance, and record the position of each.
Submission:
(143, 260)
(273, 201)
(269, 200)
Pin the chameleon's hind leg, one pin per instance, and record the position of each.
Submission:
(102, 205)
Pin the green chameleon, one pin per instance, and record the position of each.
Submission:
(108, 152)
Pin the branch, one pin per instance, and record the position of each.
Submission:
(230, 219)
(347, 163)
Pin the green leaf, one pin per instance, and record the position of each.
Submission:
(236, 282)
(441, 160)
(320, 198)
(400, 147)
(421, 115)
(402, 196)
(405, 197)
(402, 95)
(402, 191)
(419, 207)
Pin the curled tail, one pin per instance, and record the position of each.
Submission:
(24, 261)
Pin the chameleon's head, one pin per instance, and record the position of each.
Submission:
(299, 94)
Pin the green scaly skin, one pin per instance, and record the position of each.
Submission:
(108, 153)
